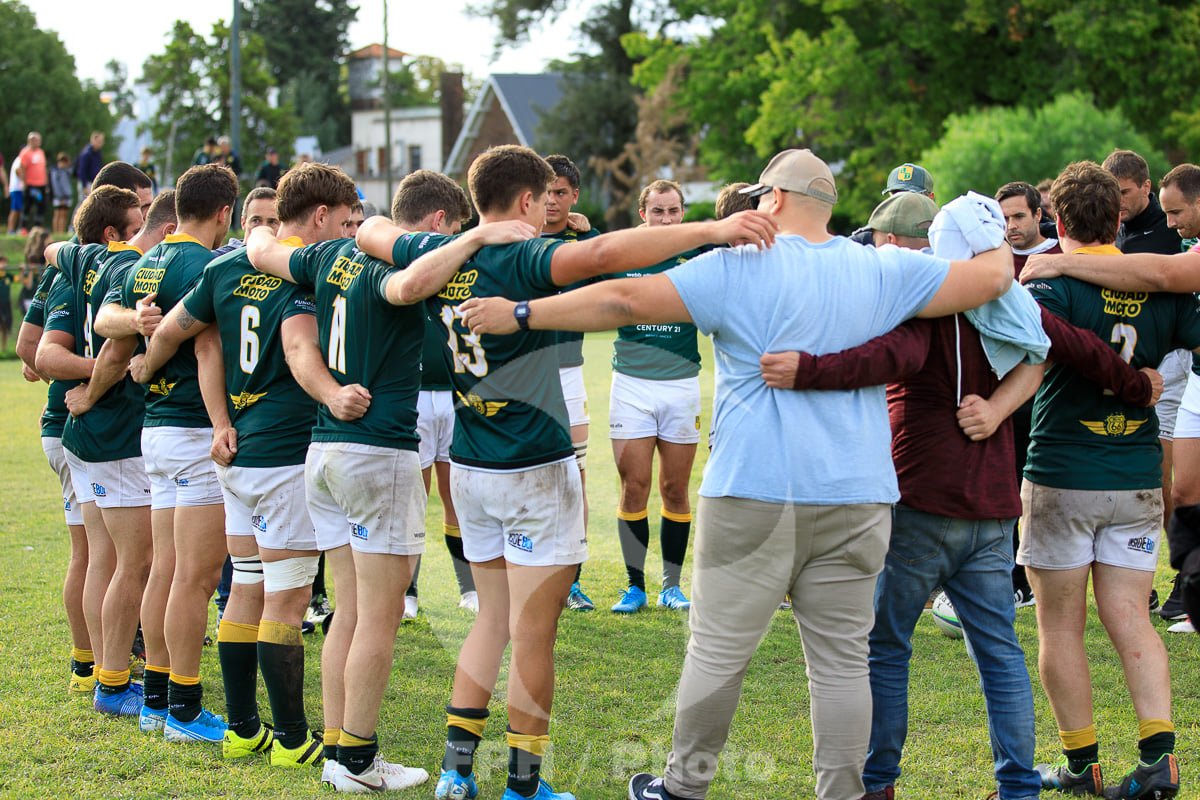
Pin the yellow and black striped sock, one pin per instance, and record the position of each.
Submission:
(673, 537)
(82, 662)
(155, 687)
(633, 530)
(464, 730)
(356, 753)
(1080, 748)
(281, 659)
(525, 752)
(237, 650)
(330, 740)
(462, 567)
(112, 681)
(185, 696)
(1156, 738)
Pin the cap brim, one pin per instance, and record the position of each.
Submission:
(755, 190)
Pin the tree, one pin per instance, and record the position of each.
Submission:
(40, 89)
(597, 114)
(417, 81)
(869, 84)
(191, 80)
(1036, 144)
(306, 43)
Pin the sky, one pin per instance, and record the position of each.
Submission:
(132, 30)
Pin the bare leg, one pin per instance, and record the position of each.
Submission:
(102, 562)
(73, 583)
(479, 659)
(133, 543)
(1062, 658)
(199, 554)
(537, 597)
(340, 563)
(1120, 601)
(158, 587)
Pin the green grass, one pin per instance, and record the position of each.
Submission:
(614, 700)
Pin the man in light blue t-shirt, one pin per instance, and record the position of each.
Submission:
(813, 520)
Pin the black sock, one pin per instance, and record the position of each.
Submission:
(635, 539)
(239, 672)
(82, 668)
(1081, 758)
(673, 536)
(318, 587)
(281, 659)
(462, 567)
(155, 688)
(1154, 747)
(184, 700)
(460, 742)
(412, 586)
(358, 758)
(578, 572)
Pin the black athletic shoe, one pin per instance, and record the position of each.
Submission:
(1173, 608)
(1059, 776)
(1153, 600)
(1157, 781)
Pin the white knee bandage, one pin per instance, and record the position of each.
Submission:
(247, 570)
(290, 573)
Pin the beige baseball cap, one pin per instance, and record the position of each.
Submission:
(798, 171)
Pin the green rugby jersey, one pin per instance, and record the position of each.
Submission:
(112, 429)
(510, 413)
(54, 415)
(1083, 437)
(435, 358)
(366, 340)
(273, 416)
(664, 352)
(570, 343)
(171, 269)
(61, 315)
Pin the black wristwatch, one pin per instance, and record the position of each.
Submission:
(521, 312)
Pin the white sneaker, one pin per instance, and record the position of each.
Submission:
(1182, 627)
(410, 607)
(374, 779)
(469, 601)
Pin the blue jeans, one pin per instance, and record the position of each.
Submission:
(972, 561)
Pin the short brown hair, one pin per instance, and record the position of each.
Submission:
(501, 174)
(1185, 178)
(104, 206)
(202, 191)
(162, 211)
(659, 186)
(1033, 198)
(1087, 198)
(306, 186)
(122, 174)
(731, 200)
(257, 193)
(425, 192)
(1128, 165)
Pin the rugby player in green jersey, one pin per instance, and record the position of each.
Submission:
(178, 433)
(363, 479)
(655, 407)
(513, 473)
(269, 341)
(1093, 507)
(64, 354)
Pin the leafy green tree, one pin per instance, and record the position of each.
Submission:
(983, 150)
(41, 90)
(191, 79)
(305, 45)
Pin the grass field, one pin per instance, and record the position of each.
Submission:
(614, 700)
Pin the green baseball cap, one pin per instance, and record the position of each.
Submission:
(904, 214)
(909, 178)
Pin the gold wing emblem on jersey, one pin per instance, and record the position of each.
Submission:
(1114, 425)
(245, 399)
(161, 387)
(487, 408)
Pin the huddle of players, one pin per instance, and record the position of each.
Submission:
(217, 447)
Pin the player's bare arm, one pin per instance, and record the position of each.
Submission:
(599, 307)
(268, 254)
(176, 328)
(210, 372)
(428, 274)
(302, 350)
(634, 248)
(114, 321)
(56, 358)
(112, 362)
(1132, 272)
(971, 283)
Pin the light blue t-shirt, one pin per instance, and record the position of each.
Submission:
(781, 445)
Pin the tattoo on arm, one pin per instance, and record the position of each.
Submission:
(185, 319)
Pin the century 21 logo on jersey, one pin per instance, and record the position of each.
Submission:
(257, 287)
(1123, 304)
(459, 287)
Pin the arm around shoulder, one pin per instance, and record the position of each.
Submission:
(970, 284)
